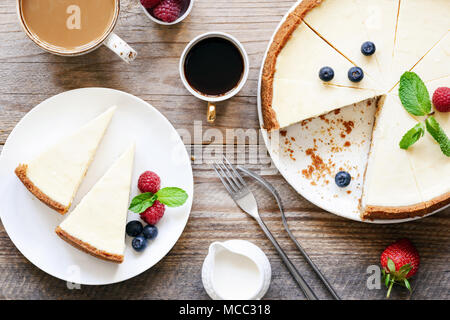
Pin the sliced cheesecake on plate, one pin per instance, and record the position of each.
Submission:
(97, 225)
(55, 175)
(409, 35)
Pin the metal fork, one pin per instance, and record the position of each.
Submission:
(241, 194)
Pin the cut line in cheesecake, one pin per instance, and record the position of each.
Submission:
(445, 38)
(55, 175)
(396, 26)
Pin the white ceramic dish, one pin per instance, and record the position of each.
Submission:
(342, 202)
(30, 224)
(181, 18)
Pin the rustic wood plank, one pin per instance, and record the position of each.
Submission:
(342, 249)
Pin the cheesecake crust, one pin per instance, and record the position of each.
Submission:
(280, 39)
(438, 202)
(85, 247)
(391, 213)
(21, 173)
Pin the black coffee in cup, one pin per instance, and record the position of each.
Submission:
(214, 66)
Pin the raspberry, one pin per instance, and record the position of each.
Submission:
(153, 214)
(149, 182)
(441, 99)
(168, 10)
(148, 4)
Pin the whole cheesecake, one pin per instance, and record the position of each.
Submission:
(409, 35)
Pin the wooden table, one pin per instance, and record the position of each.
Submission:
(343, 249)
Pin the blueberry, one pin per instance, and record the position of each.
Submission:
(355, 74)
(343, 179)
(150, 232)
(368, 48)
(326, 74)
(139, 243)
(134, 228)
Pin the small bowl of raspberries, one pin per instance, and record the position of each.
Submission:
(167, 12)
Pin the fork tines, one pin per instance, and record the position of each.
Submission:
(230, 178)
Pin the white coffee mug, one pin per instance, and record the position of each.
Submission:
(212, 100)
(109, 39)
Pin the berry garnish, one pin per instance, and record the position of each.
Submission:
(355, 74)
(441, 99)
(148, 4)
(134, 228)
(154, 213)
(139, 243)
(326, 74)
(168, 10)
(343, 179)
(368, 48)
(150, 232)
(149, 182)
(400, 261)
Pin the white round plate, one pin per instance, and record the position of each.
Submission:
(30, 224)
(291, 153)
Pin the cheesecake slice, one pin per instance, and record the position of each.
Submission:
(332, 19)
(55, 175)
(421, 25)
(390, 188)
(292, 90)
(431, 167)
(97, 225)
(434, 65)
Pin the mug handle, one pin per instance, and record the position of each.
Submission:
(120, 47)
(211, 112)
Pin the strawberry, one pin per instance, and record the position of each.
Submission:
(154, 213)
(441, 99)
(149, 182)
(148, 4)
(400, 261)
(168, 10)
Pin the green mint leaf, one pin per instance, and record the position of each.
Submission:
(412, 136)
(387, 280)
(142, 202)
(438, 134)
(172, 196)
(414, 94)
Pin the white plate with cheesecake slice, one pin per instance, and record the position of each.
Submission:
(315, 128)
(136, 138)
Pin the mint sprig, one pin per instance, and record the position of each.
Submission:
(416, 100)
(412, 136)
(142, 202)
(170, 196)
(438, 134)
(414, 94)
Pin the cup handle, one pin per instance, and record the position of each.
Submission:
(120, 47)
(211, 113)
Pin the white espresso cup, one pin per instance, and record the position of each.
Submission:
(109, 39)
(213, 99)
